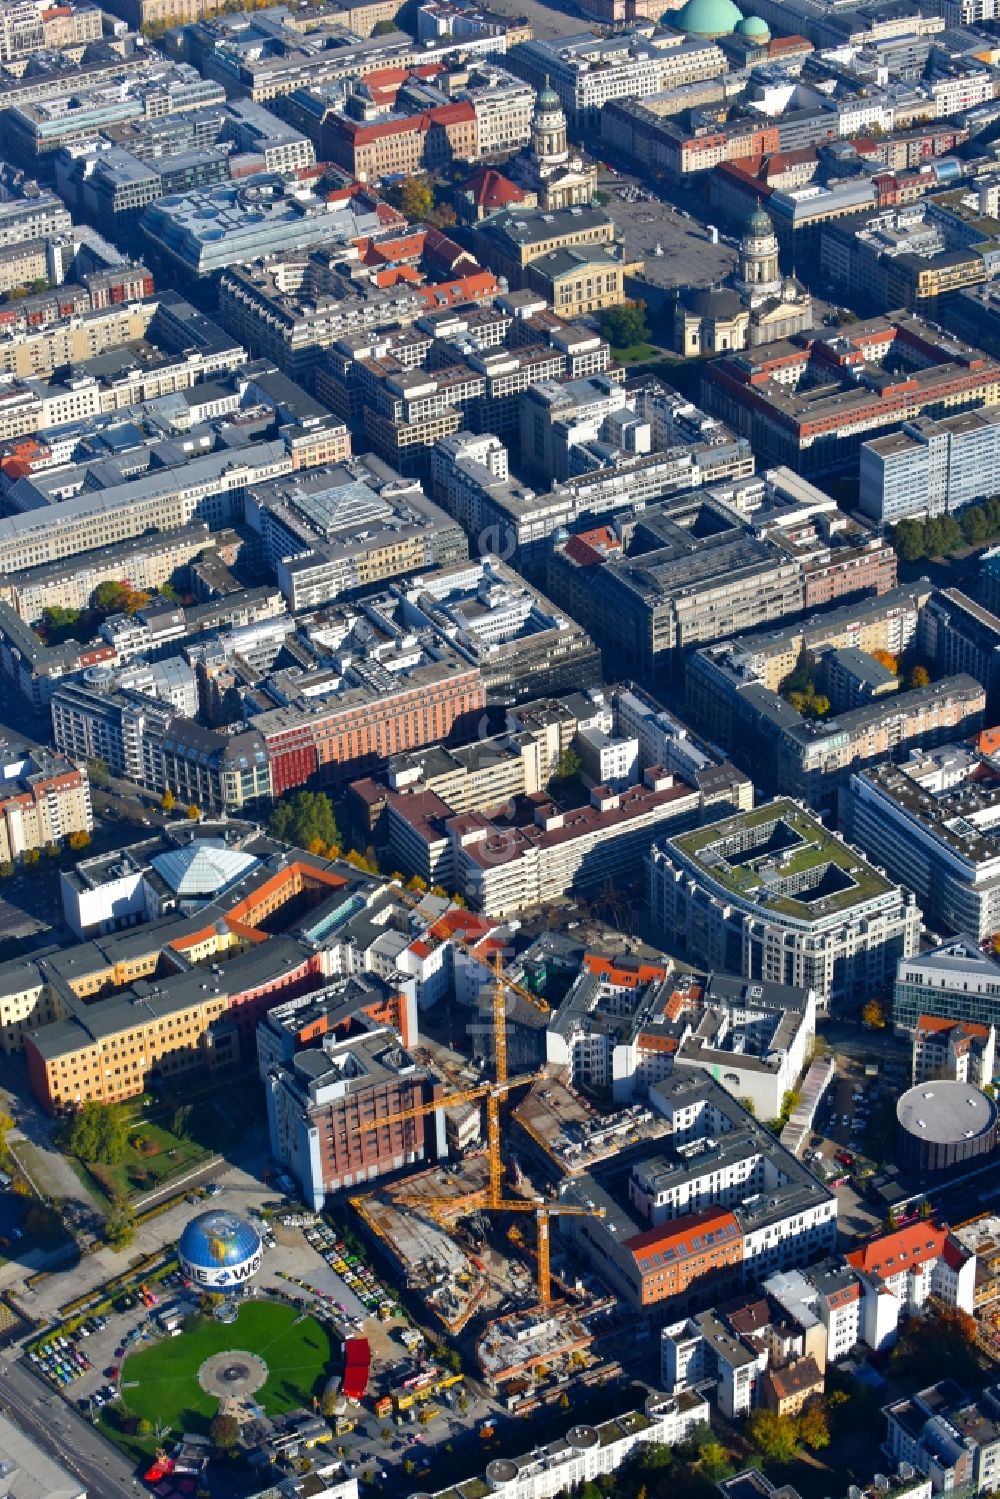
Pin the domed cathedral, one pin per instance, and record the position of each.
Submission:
(758, 306)
(549, 168)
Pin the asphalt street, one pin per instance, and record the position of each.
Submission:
(67, 1437)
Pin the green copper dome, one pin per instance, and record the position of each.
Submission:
(755, 27)
(548, 99)
(759, 223)
(705, 18)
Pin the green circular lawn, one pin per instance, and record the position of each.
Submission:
(160, 1380)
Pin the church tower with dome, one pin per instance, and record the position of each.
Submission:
(549, 138)
(757, 306)
(758, 276)
(549, 168)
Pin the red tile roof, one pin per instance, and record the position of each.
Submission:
(360, 134)
(906, 1249)
(684, 1236)
(490, 189)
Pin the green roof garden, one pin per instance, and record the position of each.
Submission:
(793, 866)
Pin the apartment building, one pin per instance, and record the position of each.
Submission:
(890, 622)
(957, 1050)
(718, 1160)
(26, 28)
(145, 740)
(929, 819)
(261, 133)
(26, 349)
(144, 563)
(624, 1028)
(588, 1451)
(537, 852)
(773, 1347)
(32, 213)
(826, 921)
(954, 1442)
(295, 306)
(43, 798)
(475, 777)
(960, 635)
(900, 1271)
(814, 758)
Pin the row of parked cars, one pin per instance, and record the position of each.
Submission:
(60, 1358)
(351, 1269)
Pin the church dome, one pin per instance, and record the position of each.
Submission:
(705, 18)
(759, 224)
(753, 26)
(548, 100)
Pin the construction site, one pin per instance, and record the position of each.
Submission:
(471, 1238)
(567, 1132)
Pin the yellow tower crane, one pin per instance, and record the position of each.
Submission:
(492, 1199)
(493, 1092)
(543, 1211)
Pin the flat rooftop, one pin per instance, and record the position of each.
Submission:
(782, 858)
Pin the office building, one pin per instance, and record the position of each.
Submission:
(586, 72)
(684, 570)
(334, 531)
(770, 894)
(149, 1002)
(930, 821)
(955, 981)
(320, 1102)
(194, 234)
(520, 643)
(813, 401)
(929, 467)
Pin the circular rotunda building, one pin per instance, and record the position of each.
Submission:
(219, 1251)
(943, 1124)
